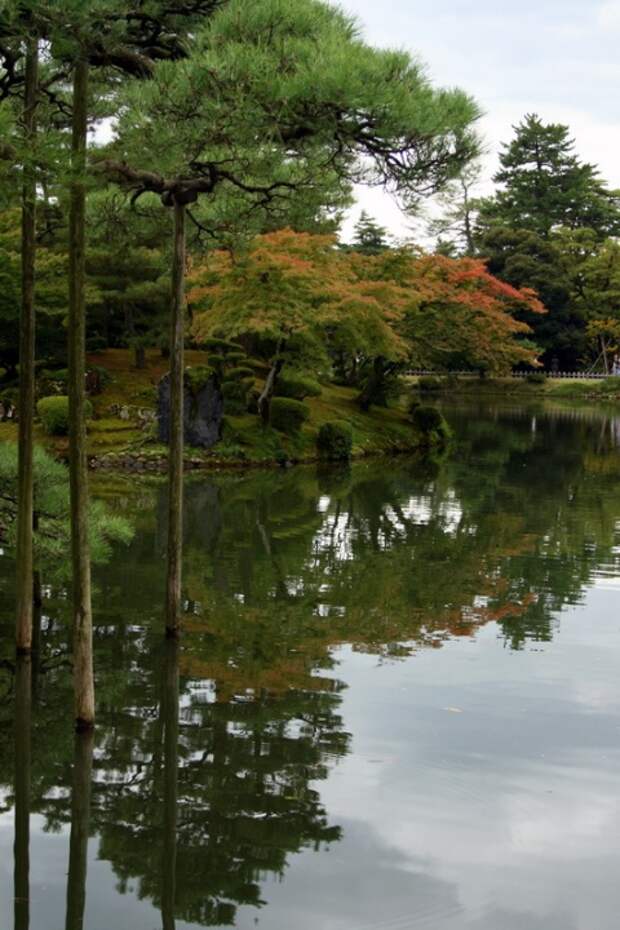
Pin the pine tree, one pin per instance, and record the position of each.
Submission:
(369, 238)
(545, 185)
(253, 112)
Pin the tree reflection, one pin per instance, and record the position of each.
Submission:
(23, 709)
(210, 753)
(80, 828)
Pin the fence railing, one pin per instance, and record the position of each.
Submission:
(579, 375)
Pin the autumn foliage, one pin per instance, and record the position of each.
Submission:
(402, 306)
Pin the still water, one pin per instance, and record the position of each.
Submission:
(396, 703)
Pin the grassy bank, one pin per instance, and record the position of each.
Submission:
(607, 389)
(119, 437)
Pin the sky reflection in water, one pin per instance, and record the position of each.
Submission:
(398, 693)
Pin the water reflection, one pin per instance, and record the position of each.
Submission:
(80, 827)
(217, 760)
(23, 710)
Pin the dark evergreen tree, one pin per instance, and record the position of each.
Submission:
(544, 185)
(369, 238)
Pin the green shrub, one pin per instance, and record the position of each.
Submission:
(216, 362)
(54, 414)
(221, 346)
(233, 357)
(427, 419)
(297, 387)
(252, 400)
(288, 415)
(430, 385)
(536, 377)
(236, 395)
(412, 406)
(335, 441)
(238, 373)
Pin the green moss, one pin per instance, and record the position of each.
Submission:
(197, 377)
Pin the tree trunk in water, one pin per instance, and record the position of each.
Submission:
(80, 550)
(26, 363)
(264, 401)
(175, 453)
(23, 704)
(170, 713)
(80, 819)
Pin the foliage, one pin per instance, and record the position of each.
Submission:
(288, 415)
(197, 376)
(430, 422)
(238, 373)
(335, 441)
(368, 237)
(51, 505)
(54, 414)
(546, 186)
(297, 386)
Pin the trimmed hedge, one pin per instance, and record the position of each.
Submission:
(235, 395)
(288, 415)
(297, 387)
(222, 346)
(235, 357)
(428, 419)
(239, 373)
(54, 414)
(335, 441)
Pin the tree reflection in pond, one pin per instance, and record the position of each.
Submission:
(209, 756)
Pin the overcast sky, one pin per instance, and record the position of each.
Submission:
(557, 58)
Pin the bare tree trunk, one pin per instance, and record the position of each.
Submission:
(175, 453)
(170, 713)
(23, 706)
(26, 361)
(80, 823)
(80, 549)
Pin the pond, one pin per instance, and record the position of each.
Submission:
(396, 702)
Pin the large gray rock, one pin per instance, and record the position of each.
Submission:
(203, 409)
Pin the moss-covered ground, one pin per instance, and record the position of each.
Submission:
(113, 438)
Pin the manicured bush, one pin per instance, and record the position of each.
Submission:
(233, 358)
(54, 414)
(297, 387)
(236, 395)
(287, 415)
(238, 373)
(428, 420)
(335, 441)
(221, 346)
(536, 377)
(252, 400)
(216, 362)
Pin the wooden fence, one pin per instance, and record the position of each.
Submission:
(578, 375)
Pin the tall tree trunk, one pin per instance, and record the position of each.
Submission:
(170, 713)
(26, 361)
(175, 453)
(80, 823)
(264, 401)
(23, 705)
(80, 550)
